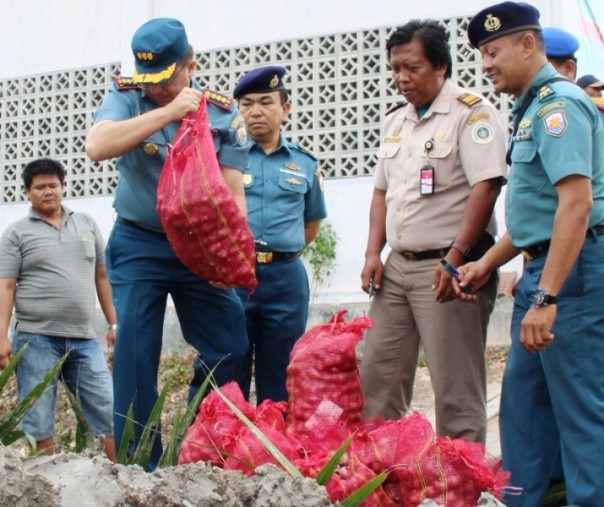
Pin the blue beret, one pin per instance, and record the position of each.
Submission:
(157, 46)
(559, 43)
(502, 19)
(261, 80)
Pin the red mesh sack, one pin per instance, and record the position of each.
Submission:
(249, 452)
(215, 430)
(350, 475)
(375, 444)
(200, 217)
(425, 466)
(272, 413)
(323, 382)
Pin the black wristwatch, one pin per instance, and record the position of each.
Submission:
(541, 298)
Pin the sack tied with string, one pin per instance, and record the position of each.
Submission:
(204, 225)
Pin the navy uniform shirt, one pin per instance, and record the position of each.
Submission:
(283, 191)
(136, 193)
(559, 135)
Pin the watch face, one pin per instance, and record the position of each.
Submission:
(538, 297)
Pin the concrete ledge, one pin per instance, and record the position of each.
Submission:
(498, 333)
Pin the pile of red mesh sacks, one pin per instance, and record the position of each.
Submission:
(324, 409)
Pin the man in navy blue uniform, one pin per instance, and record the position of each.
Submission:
(552, 406)
(283, 189)
(135, 123)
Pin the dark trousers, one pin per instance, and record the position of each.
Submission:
(276, 315)
(143, 271)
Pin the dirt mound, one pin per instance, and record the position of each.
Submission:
(81, 480)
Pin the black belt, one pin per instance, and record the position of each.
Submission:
(270, 257)
(130, 223)
(530, 252)
(439, 253)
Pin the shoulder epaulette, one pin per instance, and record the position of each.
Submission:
(125, 83)
(469, 99)
(219, 99)
(599, 102)
(306, 150)
(544, 92)
(396, 107)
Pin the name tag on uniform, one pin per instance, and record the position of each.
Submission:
(426, 180)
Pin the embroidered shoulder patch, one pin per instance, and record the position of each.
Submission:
(546, 109)
(218, 99)
(469, 99)
(477, 117)
(125, 83)
(482, 133)
(555, 123)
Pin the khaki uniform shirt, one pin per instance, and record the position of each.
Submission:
(468, 146)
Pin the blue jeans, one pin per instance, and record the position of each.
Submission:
(276, 315)
(552, 402)
(143, 270)
(84, 373)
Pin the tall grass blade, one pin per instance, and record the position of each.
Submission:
(83, 434)
(355, 499)
(181, 424)
(330, 467)
(270, 447)
(142, 454)
(128, 438)
(10, 367)
(8, 424)
(555, 496)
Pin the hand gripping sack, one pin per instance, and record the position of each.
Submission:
(198, 212)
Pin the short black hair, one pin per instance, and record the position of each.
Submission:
(433, 37)
(42, 166)
(284, 95)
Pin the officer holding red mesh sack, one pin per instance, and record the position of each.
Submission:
(283, 188)
(135, 123)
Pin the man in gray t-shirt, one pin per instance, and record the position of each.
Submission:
(51, 262)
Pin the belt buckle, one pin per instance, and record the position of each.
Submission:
(264, 257)
(409, 255)
(526, 254)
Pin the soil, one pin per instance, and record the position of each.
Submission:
(90, 480)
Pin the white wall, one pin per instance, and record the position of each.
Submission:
(46, 35)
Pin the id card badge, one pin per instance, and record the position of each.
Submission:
(426, 180)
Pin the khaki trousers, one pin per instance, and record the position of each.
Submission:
(452, 335)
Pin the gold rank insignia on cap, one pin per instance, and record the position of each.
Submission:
(151, 149)
(492, 23)
(274, 82)
(142, 55)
